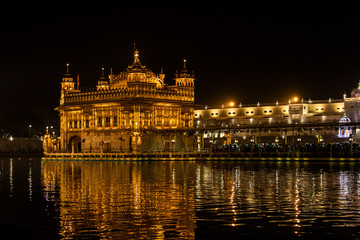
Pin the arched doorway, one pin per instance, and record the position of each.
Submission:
(75, 144)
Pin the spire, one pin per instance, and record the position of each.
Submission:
(136, 56)
(102, 78)
(162, 74)
(184, 78)
(111, 76)
(184, 70)
(78, 81)
(103, 83)
(67, 73)
(67, 76)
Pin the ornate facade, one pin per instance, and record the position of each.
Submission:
(133, 111)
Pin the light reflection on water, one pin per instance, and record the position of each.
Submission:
(122, 199)
(187, 199)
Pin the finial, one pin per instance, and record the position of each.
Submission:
(67, 68)
(111, 72)
(102, 78)
(184, 63)
(136, 56)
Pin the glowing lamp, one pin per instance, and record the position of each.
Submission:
(231, 104)
(296, 99)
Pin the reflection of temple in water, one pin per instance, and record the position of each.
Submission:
(122, 200)
(136, 200)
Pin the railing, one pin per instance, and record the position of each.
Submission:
(265, 104)
(198, 155)
(114, 94)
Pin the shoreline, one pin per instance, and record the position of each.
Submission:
(270, 159)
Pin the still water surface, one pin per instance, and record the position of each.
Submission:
(178, 199)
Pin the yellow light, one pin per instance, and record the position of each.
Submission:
(295, 99)
(231, 104)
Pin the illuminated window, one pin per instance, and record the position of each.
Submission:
(339, 109)
(249, 112)
(87, 123)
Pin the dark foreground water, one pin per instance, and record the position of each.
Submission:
(178, 200)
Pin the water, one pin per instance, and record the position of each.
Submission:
(179, 199)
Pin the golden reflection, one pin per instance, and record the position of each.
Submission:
(160, 199)
(122, 199)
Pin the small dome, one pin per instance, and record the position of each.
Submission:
(344, 119)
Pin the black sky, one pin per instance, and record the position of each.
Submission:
(239, 53)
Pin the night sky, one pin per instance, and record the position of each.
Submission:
(238, 53)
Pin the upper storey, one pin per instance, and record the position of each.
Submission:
(136, 81)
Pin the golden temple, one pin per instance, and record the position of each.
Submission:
(133, 111)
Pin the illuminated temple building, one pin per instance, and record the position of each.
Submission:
(133, 111)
